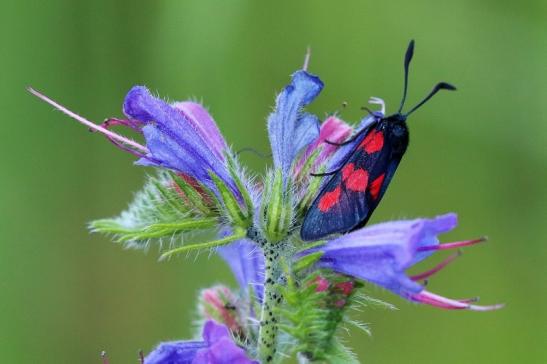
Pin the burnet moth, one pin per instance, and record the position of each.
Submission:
(347, 200)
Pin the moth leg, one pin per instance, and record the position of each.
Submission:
(349, 141)
(325, 173)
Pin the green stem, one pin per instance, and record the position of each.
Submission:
(272, 298)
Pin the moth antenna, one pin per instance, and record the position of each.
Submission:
(141, 357)
(437, 88)
(408, 58)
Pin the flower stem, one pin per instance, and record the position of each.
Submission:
(272, 298)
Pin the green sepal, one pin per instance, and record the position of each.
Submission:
(307, 261)
(195, 199)
(237, 216)
(312, 191)
(238, 234)
(276, 208)
(308, 164)
(233, 169)
(153, 231)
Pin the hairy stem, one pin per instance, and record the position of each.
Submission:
(272, 298)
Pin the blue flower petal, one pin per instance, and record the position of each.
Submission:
(284, 121)
(247, 263)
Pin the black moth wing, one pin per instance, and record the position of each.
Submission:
(353, 208)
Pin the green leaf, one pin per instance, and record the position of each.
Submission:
(307, 261)
(276, 208)
(240, 234)
(338, 353)
(152, 231)
(194, 198)
(166, 207)
(235, 172)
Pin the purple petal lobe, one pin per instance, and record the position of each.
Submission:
(284, 121)
(217, 348)
(175, 352)
(307, 130)
(204, 125)
(247, 264)
(221, 348)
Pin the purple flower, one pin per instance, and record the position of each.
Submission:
(247, 263)
(182, 137)
(289, 128)
(382, 253)
(217, 347)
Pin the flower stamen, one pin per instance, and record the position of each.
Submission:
(450, 304)
(88, 123)
(456, 244)
(438, 267)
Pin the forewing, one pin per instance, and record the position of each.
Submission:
(348, 199)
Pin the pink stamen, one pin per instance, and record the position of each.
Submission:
(88, 123)
(435, 269)
(307, 59)
(104, 357)
(456, 244)
(450, 304)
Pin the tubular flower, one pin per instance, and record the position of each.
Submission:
(217, 347)
(382, 253)
(182, 137)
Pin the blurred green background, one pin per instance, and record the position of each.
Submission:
(66, 295)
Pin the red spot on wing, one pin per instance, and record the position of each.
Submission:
(357, 181)
(347, 171)
(329, 199)
(376, 185)
(354, 179)
(373, 142)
